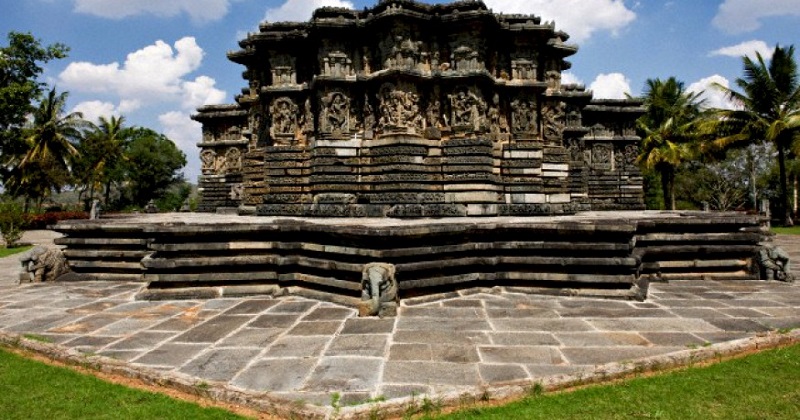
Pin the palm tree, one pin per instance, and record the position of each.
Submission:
(102, 149)
(47, 151)
(768, 109)
(667, 130)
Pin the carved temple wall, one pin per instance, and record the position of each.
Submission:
(408, 109)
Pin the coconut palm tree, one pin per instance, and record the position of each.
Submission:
(51, 133)
(667, 130)
(767, 109)
(47, 149)
(102, 149)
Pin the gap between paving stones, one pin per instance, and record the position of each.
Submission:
(492, 394)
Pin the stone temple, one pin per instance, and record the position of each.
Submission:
(400, 120)
(407, 110)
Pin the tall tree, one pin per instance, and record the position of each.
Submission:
(49, 148)
(768, 109)
(20, 67)
(668, 135)
(153, 164)
(102, 152)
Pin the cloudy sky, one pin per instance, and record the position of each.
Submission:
(155, 61)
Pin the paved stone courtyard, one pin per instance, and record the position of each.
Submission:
(307, 350)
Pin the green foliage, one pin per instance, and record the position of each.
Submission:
(101, 164)
(152, 166)
(12, 218)
(20, 67)
(769, 111)
(769, 381)
(174, 197)
(33, 390)
(668, 135)
(5, 252)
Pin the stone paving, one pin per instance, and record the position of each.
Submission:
(300, 349)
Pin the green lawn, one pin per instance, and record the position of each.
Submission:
(4, 252)
(793, 230)
(34, 390)
(761, 386)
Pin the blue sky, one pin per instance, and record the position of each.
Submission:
(155, 61)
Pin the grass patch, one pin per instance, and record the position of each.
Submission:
(5, 252)
(34, 390)
(791, 230)
(763, 386)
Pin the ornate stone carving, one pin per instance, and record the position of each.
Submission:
(523, 70)
(42, 264)
(400, 109)
(233, 160)
(631, 154)
(406, 54)
(466, 58)
(335, 118)
(378, 290)
(774, 264)
(337, 64)
(284, 118)
(553, 119)
(498, 123)
(208, 159)
(237, 192)
(467, 110)
(601, 157)
(523, 115)
(283, 71)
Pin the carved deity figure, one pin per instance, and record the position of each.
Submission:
(467, 109)
(399, 109)
(602, 156)
(378, 290)
(284, 116)
(523, 116)
(208, 158)
(336, 113)
(553, 119)
(233, 160)
(497, 120)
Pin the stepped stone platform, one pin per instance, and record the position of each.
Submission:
(589, 254)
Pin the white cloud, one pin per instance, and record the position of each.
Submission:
(747, 48)
(301, 10)
(185, 133)
(579, 18)
(740, 16)
(568, 78)
(610, 86)
(712, 96)
(154, 74)
(93, 110)
(199, 11)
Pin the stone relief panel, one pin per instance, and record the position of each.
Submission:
(233, 160)
(283, 70)
(523, 69)
(602, 156)
(524, 115)
(335, 113)
(208, 162)
(631, 152)
(467, 110)
(496, 119)
(402, 49)
(552, 76)
(553, 119)
(284, 112)
(466, 54)
(599, 130)
(337, 64)
(399, 109)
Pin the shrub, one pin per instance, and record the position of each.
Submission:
(43, 221)
(12, 220)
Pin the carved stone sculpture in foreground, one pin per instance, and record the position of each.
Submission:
(774, 264)
(378, 290)
(42, 264)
